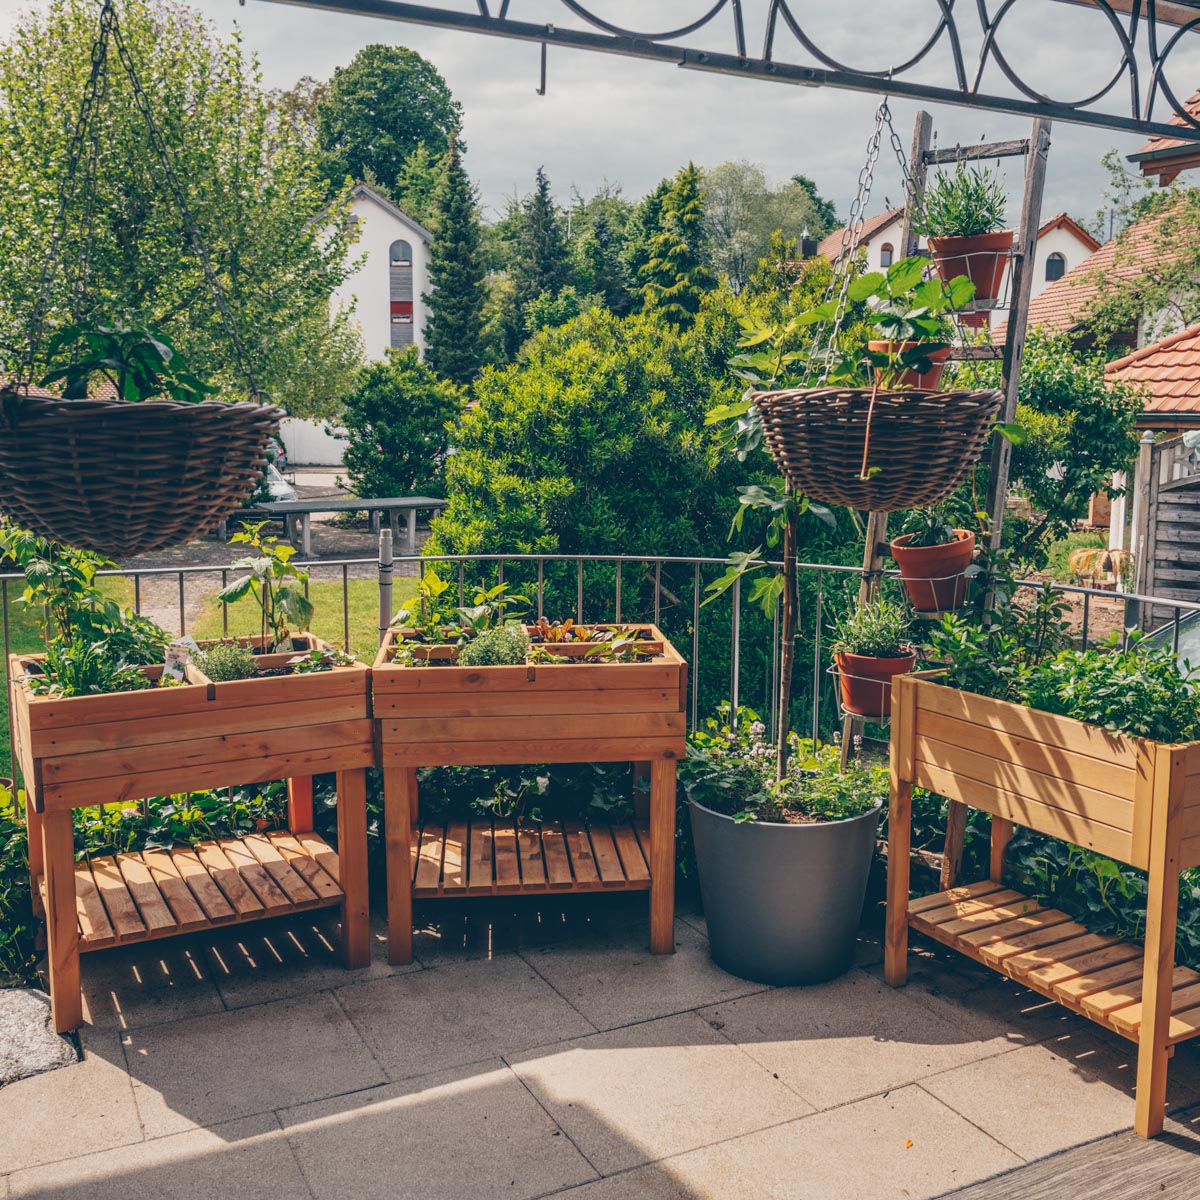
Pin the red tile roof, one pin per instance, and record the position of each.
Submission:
(1169, 371)
(1063, 221)
(831, 246)
(1167, 156)
(101, 388)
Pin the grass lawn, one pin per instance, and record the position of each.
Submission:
(326, 595)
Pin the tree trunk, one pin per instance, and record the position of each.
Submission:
(787, 656)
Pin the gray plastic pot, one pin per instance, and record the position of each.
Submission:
(783, 902)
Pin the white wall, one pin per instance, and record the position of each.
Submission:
(308, 445)
(1063, 242)
(368, 289)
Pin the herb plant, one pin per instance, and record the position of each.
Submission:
(227, 662)
(930, 527)
(876, 630)
(84, 669)
(966, 202)
(276, 585)
(506, 645)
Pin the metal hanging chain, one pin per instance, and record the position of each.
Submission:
(190, 228)
(93, 89)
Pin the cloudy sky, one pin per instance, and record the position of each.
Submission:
(629, 122)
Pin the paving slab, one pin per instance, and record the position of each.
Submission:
(614, 980)
(28, 1043)
(1041, 1099)
(643, 1092)
(903, 1145)
(130, 987)
(76, 1110)
(847, 1039)
(235, 1064)
(264, 961)
(474, 1133)
(243, 1160)
(449, 1016)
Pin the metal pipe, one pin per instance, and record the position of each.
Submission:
(346, 608)
(617, 605)
(385, 582)
(695, 671)
(816, 675)
(735, 650)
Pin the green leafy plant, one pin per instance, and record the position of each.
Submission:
(276, 585)
(84, 669)
(930, 527)
(505, 645)
(140, 362)
(18, 926)
(226, 662)
(966, 202)
(876, 630)
(320, 660)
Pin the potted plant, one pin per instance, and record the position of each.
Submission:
(932, 556)
(134, 455)
(783, 863)
(962, 215)
(870, 648)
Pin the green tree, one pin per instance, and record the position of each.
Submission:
(826, 214)
(598, 266)
(249, 179)
(541, 265)
(395, 420)
(379, 109)
(643, 226)
(418, 182)
(454, 334)
(676, 276)
(547, 311)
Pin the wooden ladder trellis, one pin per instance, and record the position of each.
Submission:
(1035, 150)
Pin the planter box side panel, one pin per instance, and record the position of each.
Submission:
(1191, 807)
(1050, 773)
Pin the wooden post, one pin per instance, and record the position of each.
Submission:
(399, 817)
(868, 588)
(895, 946)
(1140, 541)
(918, 168)
(662, 856)
(352, 866)
(1166, 833)
(300, 804)
(62, 931)
(1002, 832)
(641, 793)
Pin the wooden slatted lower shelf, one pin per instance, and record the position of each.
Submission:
(484, 857)
(134, 897)
(1046, 950)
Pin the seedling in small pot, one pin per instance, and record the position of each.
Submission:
(276, 585)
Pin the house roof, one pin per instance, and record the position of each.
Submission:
(100, 388)
(1167, 156)
(366, 192)
(1066, 303)
(1169, 371)
(831, 245)
(1063, 221)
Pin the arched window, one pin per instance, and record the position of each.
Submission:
(886, 253)
(400, 292)
(1056, 266)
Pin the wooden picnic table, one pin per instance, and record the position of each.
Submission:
(301, 511)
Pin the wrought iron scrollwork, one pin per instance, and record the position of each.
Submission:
(1153, 106)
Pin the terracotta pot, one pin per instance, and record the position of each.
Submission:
(867, 682)
(933, 575)
(983, 259)
(914, 379)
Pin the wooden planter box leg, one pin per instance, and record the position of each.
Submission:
(62, 930)
(895, 938)
(1002, 832)
(662, 856)
(399, 818)
(352, 866)
(300, 804)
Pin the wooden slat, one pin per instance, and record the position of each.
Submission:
(508, 867)
(558, 865)
(155, 914)
(1060, 953)
(1073, 991)
(574, 725)
(122, 912)
(1045, 918)
(200, 883)
(1054, 929)
(95, 929)
(454, 865)
(923, 904)
(322, 883)
(225, 875)
(571, 677)
(187, 913)
(974, 921)
(288, 881)
(479, 874)
(1049, 976)
(531, 750)
(1128, 1020)
(583, 862)
(604, 851)
(633, 860)
(1121, 995)
(429, 857)
(255, 875)
(965, 908)
(529, 850)
(527, 703)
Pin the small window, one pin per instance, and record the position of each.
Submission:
(1056, 267)
(401, 254)
(886, 253)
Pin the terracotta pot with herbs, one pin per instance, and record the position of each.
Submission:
(932, 556)
(870, 648)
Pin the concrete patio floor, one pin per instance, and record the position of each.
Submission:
(536, 1051)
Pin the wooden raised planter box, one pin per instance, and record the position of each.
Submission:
(447, 715)
(1131, 799)
(127, 746)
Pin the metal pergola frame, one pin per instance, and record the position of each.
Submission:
(1137, 26)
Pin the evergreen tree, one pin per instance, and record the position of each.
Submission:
(676, 276)
(542, 264)
(454, 333)
(643, 226)
(417, 184)
(601, 271)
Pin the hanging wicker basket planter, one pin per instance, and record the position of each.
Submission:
(921, 444)
(123, 478)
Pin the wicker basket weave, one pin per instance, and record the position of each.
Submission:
(922, 443)
(124, 478)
